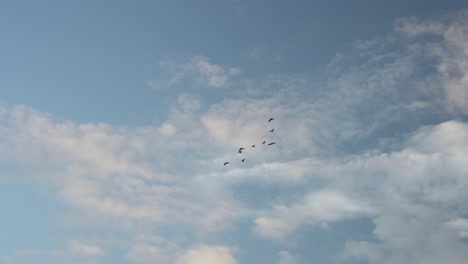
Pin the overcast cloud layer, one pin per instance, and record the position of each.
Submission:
(378, 135)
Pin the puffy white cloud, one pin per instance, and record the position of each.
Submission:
(420, 190)
(205, 254)
(117, 174)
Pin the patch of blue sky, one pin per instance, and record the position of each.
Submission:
(29, 219)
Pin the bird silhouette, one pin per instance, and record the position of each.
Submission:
(272, 130)
(272, 143)
(263, 142)
(225, 163)
(243, 160)
(271, 119)
(253, 146)
(240, 150)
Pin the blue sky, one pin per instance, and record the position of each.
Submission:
(117, 117)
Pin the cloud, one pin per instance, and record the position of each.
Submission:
(362, 249)
(460, 225)
(5, 259)
(449, 51)
(117, 174)
(197, 71)
(205, 254)
(152, 249)
(420, 189)
(287, 258)
(85, 250)
(318, 208)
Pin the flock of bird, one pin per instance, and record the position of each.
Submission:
(253, 146)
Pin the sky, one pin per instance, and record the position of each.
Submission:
(116, 118)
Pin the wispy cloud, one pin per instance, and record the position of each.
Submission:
(317, 208)
(449, 50)
(287, 258)
(197, 71)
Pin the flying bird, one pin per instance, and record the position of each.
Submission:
(243, 160)
(253, 146)
(272, 130)
(271, 119)
(272, 143)
(226, 163)
(263, 142)
(240, 150)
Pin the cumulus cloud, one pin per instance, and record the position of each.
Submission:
(205, 254)
(116, 173)
(421, 190)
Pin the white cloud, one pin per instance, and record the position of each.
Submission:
(450, 52)
(119, 175)
(198, 71)
(317, 208)
(206, 254)
(152, 249)
(460, 225)
(287, 258)
(417, 187)
(83, 249)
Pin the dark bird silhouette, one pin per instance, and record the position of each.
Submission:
(253, 146)
(263, 142)
(271, 119)
(240, 150)
(243, 160)
(272, 130)
(225, 163)
(272, 143)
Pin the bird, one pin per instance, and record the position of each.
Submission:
(272, 143)
(263, 142)
(271, 119)
(243, 160)
(253, 146)
(240, 150)
(225, 163)
(272, 130)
